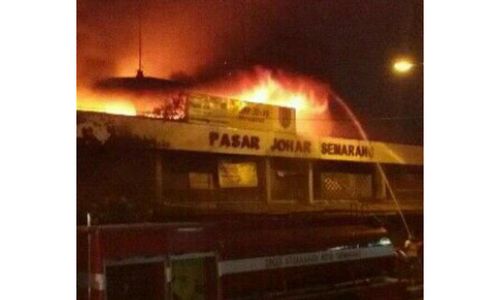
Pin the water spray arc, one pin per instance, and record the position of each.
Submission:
(379, 167)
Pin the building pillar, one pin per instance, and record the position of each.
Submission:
(158, 165)
(268, 178)
(310, 182)
(380, 186)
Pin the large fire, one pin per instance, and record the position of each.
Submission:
(88, 101)
(308, 97)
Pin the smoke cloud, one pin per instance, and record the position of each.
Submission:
(344, 43)
(181, 39)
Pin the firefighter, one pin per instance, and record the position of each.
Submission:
(413, 252)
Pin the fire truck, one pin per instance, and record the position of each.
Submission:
(278, 258)
(227, 201)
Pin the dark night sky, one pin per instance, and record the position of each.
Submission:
(349, 44)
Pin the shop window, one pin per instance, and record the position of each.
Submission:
(114, 186)
(407, 182)
(289, 179)
(343, 181)
(345, 185)
(202, 177)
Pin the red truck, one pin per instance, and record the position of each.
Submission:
(237, 259)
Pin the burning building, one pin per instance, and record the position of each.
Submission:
(167, 147)
(258, 184)
(209, 161)
(244, 201)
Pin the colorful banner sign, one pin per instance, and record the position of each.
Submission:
(233, 113)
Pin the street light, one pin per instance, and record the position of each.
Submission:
(403, 65)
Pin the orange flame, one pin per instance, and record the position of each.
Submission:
(110, 104)
(308, 97)
(164, 105)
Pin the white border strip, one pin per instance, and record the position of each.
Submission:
(301, 259)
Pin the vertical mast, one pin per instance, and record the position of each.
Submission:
(140, 73)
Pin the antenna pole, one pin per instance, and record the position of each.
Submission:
(140, 73)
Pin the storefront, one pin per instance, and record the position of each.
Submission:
(137, 164)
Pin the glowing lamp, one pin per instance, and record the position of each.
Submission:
(402, 66)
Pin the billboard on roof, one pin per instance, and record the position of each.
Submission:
(213, 110)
